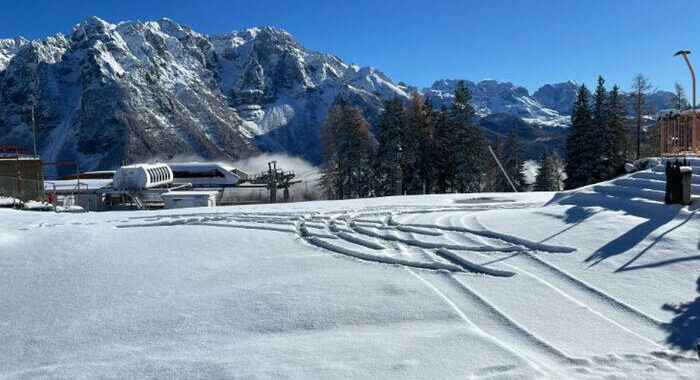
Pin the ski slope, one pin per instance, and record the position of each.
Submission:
(533, 285)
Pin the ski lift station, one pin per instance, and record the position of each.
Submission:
(167, 185)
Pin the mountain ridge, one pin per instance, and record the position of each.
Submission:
(106, 94)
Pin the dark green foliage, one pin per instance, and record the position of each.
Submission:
(444, 153)
(598, 137)
(468, 145)
(579, 155)
(347, 150)
(419, 137)
(617, 132)
(390, 158)
(512, 161)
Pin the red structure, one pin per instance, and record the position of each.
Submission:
(678, 131)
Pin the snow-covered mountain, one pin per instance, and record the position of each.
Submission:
(111, 93)
(494, 97)
(557, 96)
(282, 90)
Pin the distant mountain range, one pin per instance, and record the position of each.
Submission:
(112, 93)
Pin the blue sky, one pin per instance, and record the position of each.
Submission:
(527, 42)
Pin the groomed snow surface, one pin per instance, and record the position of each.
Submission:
(533, 285)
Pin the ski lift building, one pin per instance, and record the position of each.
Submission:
(142, 176)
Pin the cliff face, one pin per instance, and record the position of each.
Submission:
(109, 93)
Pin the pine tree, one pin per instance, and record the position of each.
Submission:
(469, 146)
(390, 158)
(443, 153)
(347, 150)
(543, 179)
(417, 144)
(426, 146)
(513, 165)
(557, 167)
(549, 173)
(329, 169)
(616, 144)
(354, 152)
(579, 155)
(598, 136)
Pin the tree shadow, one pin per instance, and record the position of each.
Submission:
(656, 214)
(627, 266)
(684, 329)
(572, 217)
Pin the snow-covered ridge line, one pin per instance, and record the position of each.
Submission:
(108, 93)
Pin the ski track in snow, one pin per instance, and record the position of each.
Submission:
(431, 253)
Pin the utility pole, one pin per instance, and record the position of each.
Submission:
(503, 170)
(34, 131)
(272, 178)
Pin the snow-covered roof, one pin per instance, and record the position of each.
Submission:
(85, 184)
(190, 193)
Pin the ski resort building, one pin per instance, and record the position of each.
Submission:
(160, 185)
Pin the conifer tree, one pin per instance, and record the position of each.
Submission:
(329, 168)
(513, 164)
(557, 167)
(347, 150)
(354, 150)
(426, 147)
(417, 144)
(543, 179)
(616, 129)
(469, 145)
(391, 152)
(598, 136)
(443, 152)
(549, 173)
(579, 155)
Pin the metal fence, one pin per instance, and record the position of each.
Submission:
(21, 188)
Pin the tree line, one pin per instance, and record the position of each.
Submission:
(416, 149)
(603, 135)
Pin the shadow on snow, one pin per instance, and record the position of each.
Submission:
(684, 329)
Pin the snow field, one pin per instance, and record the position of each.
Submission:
(447, 286)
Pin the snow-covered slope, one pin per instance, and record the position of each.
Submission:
(109, 93)
(283, 90)
(581, 284)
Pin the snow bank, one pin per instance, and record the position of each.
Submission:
(9, 201)
(37, 206)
